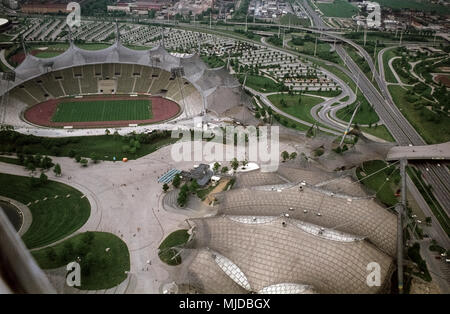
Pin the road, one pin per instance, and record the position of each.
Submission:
(401, 129)
(316, 19)
(405, 134)
(268, 103)
(437, 176)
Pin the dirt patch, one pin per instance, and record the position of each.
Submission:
(41, 114)
(219, 188)
(444, 79)
(418, 286)
(20, 56)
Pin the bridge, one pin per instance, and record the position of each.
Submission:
(425, 152)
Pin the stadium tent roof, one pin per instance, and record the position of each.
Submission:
(359, 217)
(278, 254)
(217, 86)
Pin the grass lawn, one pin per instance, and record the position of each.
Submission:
(105, 146)
(103, 110)
(302, 110)
(431, 131)
(419, 5)
(291, 19)
(53, 219)
(167, 248)
(379, 131)
(213, 61)
(388, 75)
(202, 193)
(362, 64)
(403, 73)
(10, 160)
(4, 37)
(385, 190)
(105, 269)
(328, 93)
(365, 114)
(260, 83)
(322, 52)
(339, 8)
(47, 54)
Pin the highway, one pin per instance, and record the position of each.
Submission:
(316, 19)
(402, 131)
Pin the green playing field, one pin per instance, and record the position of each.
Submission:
(103, 110)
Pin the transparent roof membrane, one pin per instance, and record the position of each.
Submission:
(232, 270)
(325, 233)
(287, 288)
(253, 219)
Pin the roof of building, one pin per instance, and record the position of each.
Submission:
(239, 255)
(223, 94)
(202, 174)
(360, 217)
(3, 21)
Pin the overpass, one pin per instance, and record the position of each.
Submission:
(425, 152)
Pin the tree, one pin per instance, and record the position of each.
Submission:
(234, 164)
(88, 238)
(165, 187)
(224, 170)
(30, 167)
(51, 254)
(216, 166)
(194, 187)
(82, 248)
(176, 181)
(293, 156)
(43, 179)
(285, 155)
(78, 158)
(87, 263)
(244, 162)
(72, 153)
(67, 251)
(46, 162)
(428, 220)
(57, 170)
(107, 132)
(94, 157)
(182, 199)
(84, 162)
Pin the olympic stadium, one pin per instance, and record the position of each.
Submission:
(178, 87)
